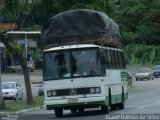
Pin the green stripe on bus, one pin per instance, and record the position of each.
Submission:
(124, 76)
(118, 98)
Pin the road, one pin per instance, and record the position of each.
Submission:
(143, 98)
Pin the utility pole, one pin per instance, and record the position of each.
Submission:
(1, 98)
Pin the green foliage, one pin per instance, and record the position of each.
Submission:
(39, 11)
(32, 28)
(81, 6)
(152, 56)
(1, 31)
(17, 49)
(142, 54)
(139, 21)
(36, 55)
(10, 9)
(104, 6)
(133, 59)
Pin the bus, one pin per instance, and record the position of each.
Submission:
(77, 77)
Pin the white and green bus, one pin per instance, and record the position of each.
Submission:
(77, 77)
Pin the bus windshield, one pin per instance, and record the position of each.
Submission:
(71, 63)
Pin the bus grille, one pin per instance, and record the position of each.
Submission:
(75, 91)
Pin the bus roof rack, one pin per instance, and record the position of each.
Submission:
(81, 26)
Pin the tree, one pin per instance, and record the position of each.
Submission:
(12, 11)
(2, 105)
(43, 10)
(104, 6)
(142, 18)
(1, 99)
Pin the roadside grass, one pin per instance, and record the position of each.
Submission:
(13, 106)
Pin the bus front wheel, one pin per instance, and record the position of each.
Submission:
(104, 109)
(58, 112)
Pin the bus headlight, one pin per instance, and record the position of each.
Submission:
(92, 90)
(54, 93)
(95, 90)
(98, 90)
(51, 93)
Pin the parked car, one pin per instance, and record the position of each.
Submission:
(17, 67)
(41, 90)
(144, 73)
(156, 71)
(11, 91)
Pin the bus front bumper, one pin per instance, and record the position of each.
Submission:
(71, 102)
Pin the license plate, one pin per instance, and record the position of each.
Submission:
(73, 100)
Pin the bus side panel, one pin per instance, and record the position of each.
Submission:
(115, 86)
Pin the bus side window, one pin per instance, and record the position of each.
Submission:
(120, 59)
(117, 59)
(109, 59)
(123, 60)
(112, 59)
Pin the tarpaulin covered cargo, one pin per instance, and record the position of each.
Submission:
(81, 26)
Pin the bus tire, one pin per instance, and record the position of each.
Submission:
(122, 104)
(104, 109)
(58, 112)
(73, 110)
(113, 107)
